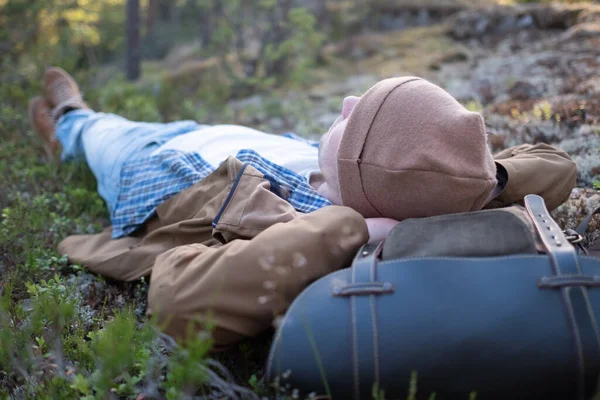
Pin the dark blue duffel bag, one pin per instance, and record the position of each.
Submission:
(521, 326)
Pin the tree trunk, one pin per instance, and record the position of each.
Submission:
(133, 40)
(151, 16)
(165, 10)
(322, 14)
(278, 35)
(211, 14)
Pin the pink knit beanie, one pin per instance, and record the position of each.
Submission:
(411, 150)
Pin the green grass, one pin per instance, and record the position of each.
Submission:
(68, 334)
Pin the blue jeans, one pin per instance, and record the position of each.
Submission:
(107, 141)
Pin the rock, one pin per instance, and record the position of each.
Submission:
(591, 15)
(525, 22)
(355, 48)
(457, 56)
(359, 53)
(508, 23)
(522, 90)
(183, 53)
(327, 119)
(398, 15)
(491, 20)
(581, 202)
(561, 16)
(460, 89)
(423, 18)
(255, 101)
(90, 288)
(504, 19)
(485, 91)
(250, 110)
(468, 24)
(389, 22)
(276, 124)
(482, 25)
(590, 87)
(582, 31)
(584, 150)
(354, 85)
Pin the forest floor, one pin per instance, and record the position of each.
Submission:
(533, 71)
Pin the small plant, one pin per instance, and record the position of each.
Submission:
(543, 111)
(377, 393)
(474, 105)
(128, 100)
(53, 306)
(187, 366)
(122, 352)
(412, 389)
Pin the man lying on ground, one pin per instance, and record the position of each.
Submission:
(232, 223)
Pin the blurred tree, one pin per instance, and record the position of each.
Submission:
(320, 8)
(71, 33)
(260, 44)
(157, 11)
(151, 12)
(323, 14)
(210, 12)
(133, 40)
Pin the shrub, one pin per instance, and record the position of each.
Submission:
(272, 42)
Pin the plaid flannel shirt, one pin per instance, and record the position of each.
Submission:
(148, 182)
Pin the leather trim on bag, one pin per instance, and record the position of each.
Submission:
(373, 305)
(562, 253)
(559, 281)
(578, 345)
(365, 341)
(355, 347)
(355, 361)
(363, 289)
(564, 259)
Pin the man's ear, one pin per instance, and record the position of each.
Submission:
(348, 105)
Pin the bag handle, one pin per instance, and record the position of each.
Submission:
(364, 274)
(362, 290)
(561, 252)
(572, 283)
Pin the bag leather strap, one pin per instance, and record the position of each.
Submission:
(562, 253)
(362, 291)
(583, 225)
(594, 249)
(573, 283)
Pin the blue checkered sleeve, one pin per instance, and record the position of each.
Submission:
(148, 182)
(301, 195)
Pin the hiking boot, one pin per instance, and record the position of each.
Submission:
(62, 92)
(43, 125)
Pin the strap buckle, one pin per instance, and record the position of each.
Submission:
(572, 236)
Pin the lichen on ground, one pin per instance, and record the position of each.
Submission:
(532, 71)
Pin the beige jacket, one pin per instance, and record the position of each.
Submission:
(261, 253)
